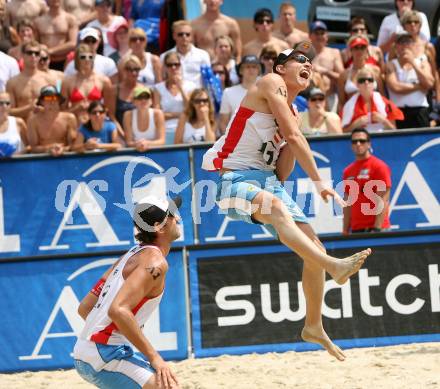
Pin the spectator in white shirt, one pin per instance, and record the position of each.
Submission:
(8, 69)
(191, 57)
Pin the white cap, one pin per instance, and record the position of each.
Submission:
(89, 31)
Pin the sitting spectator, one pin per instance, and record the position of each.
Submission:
(358, 26)
(13, 131)
(83, 10)
(408, 80)
(8, 69)
(51, 130)
(222, 73)
(318, 121)
(85, 85)
(224, 53)
(249, 69)
(118, 38)
(263, 25)
(56, 77)
(197, 123)
(267, 58)
(25, 30)
(358, 45)
(191, 57)
(101, 65)
(151, 68)
(121, 99)
(8, 35)
(391, 26)
(171, 94)
(144, 126)
(98, 133)
(105, 21)
(287, 30)
(367, 108)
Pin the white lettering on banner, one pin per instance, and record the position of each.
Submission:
(425, 199)
(364, 292)
(8, 243)
(434, 286)
(347, 308)
(285, 313)
(221, 232)
(370, 190)
(97, 222)
(390, 294)
(247, 306)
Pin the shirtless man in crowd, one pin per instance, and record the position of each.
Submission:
(58, 31)
(287, 30)
(212, 24)
(83, 10)
(50, 130)
(25, 9)
(25, 87)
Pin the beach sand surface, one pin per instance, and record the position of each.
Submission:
(405, 366)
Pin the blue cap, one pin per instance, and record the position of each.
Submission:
(318, 25)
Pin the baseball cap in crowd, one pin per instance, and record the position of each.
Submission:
(141, 90)
(356, 41)
(315, 92)
(153, 209)
(50, 90)
(88, 32)
(403, 36)
(318, 25)
(304, 47)
(249, 59)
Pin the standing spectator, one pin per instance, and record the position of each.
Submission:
(8, 35)
(56, 77)
(212, 24)
(191, 57)
(318, 121)
(151, 69)
(327, 62)
(391, 25)
(99, 132)
(85, 85)
(144, 127)
(83, 10)
(249, 69)
(105, 21)
(171, 94)
(197, 123)
(50, 130)
(263, 25)
(118, 38)
(222, 73)
(367, 108)
(8, 69)
(13, 131)
(224, 53)
(267, 58)
(25, 9)
(367, 188)
(101, 64)
(25, 29)
(287, 30)
(408, 80)
(57, 30)
(24, 88)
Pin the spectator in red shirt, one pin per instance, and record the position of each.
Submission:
(367, 184)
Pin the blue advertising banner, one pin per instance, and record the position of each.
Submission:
(414, 202)
(251, 299)
(39, 305)
(82, 203)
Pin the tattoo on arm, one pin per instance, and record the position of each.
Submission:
(155, 272)
(281, 91)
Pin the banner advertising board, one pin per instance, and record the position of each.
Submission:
(251, 299)
(39, 305)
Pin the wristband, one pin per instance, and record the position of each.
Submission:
(96, 290)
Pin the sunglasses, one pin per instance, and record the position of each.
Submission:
(5, 103)
(86, 57)
(315, 99)
(32, 52)
(361, 141)
(181, 34)
(137, 39)
(173, 65)
(50, 98)
(359, 29)
(264, 21)
(90, 40)
(300, 58)
(98, 112)
(132, 70)
(413, 22)
(201, 101)
(44, 59)
(363, 80)
(359, 48)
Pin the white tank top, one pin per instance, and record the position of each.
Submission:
(150, 132)
(146, 75)
(252, 141)
(350, 87)
(99, 328)
(191, 134)
(413, 99)
(12, 135)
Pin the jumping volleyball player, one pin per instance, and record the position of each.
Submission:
(256, 155)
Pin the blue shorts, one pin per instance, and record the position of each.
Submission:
(237, 189)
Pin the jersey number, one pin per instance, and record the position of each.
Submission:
(268, 150)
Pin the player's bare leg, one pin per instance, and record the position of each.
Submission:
(268, 209)
(313, 279)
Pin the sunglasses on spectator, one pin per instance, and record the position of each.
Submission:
(300, 58)
(137, 39)
(264, 21)
(173, 65)
(181, 34)
(359, 29)
(413, 22)
(5, 103)
(44, 59)
(34, 53)
(90, 40)
(50, 98)
(86, 57)
(201, 101)
(132, 70)
(315, 99)
(98, 112)
(363, 80)
(361, 141)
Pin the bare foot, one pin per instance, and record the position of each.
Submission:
(346, 267)
(319, 336)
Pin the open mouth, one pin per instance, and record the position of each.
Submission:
(304, 74)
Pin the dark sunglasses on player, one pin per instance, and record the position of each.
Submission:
(361, 141)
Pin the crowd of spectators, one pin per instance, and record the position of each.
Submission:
(97, 75)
